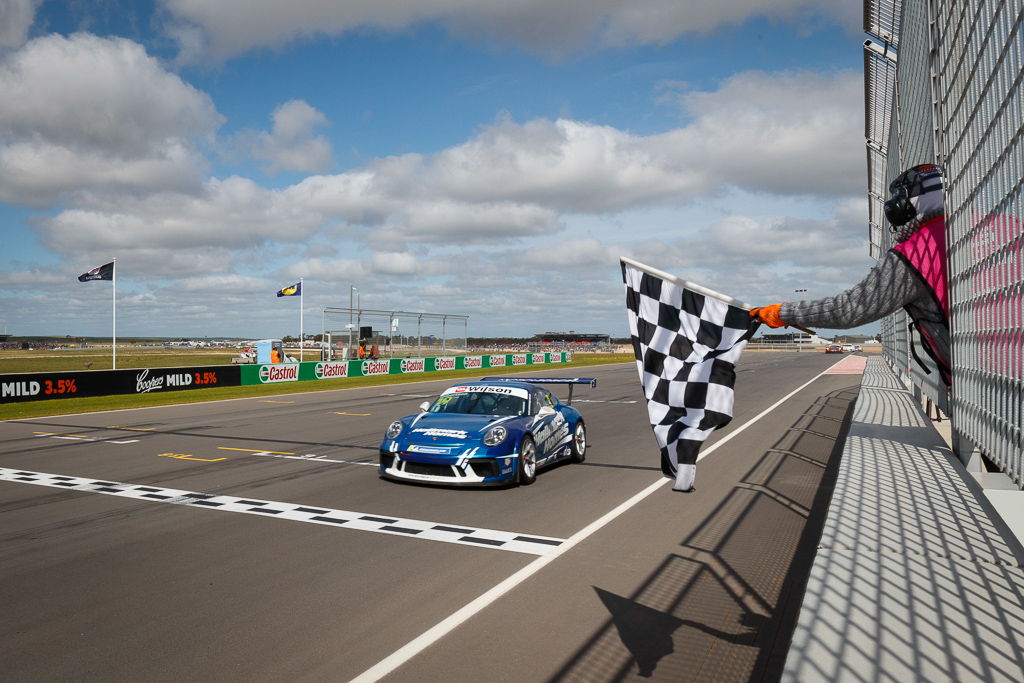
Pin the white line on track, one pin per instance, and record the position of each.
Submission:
(590, 400)
(453, 621)
(67, 437)
(346, 519)
(314, 458)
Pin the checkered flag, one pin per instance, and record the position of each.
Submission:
(687, 340)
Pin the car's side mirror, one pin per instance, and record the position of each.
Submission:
(425, 406)
(546, 411)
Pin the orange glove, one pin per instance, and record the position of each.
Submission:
(769, 315)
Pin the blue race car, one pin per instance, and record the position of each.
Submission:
(491, 431)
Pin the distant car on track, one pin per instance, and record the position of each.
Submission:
(834, 348)
(491, 431)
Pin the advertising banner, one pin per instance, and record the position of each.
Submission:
(301, 372)
(41, 386)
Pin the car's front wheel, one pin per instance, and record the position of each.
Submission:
(527, 462)
(579, 442)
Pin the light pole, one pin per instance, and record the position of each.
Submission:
(351, 289)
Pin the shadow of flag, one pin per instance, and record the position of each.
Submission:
(646, 632)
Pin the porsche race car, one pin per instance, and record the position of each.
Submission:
(493, 431)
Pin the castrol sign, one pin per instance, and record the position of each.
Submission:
(279, 373)
(413, 365)
(537, 359)
(497, 361)
(375, 367)
(473, 362)
(330, 370)
(444, 363)
(519, 359)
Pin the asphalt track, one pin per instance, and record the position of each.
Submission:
(252, 540)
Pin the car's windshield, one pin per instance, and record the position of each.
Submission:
(480, 403)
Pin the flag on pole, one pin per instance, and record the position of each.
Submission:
(295, 290)
(687, 340)
(104, 272)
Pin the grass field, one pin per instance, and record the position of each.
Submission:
(161, 358)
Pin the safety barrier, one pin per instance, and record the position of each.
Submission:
(953, 96)
(41, 386)
(311, 371)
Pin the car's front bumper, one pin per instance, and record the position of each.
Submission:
(449, 470)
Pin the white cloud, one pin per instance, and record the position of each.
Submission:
(329, 270)
(446, 222)
(36, 174)
(759, 131)
(293, 144)
(16, 16)
(229, 27)
(509, 182)
(84, 112)
(793, 132)
(234, 212)
(32, 278)
(568, 165)
(222, 285)
(500, 226)
(572, 254)
(395, 263)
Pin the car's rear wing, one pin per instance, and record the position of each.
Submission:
(571, 381)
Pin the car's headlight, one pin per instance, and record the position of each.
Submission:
(495, 436)
(394, 429)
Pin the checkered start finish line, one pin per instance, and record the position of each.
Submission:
(346, 519)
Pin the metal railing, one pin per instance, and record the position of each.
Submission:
(956, 98)
(396, 333)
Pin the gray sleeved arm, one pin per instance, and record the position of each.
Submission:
(888, 286)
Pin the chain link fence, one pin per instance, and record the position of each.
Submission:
(943, 84)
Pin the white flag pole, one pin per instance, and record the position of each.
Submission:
(113, 295)
(302, 293)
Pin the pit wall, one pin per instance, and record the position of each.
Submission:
(42, 386)
(311, 371)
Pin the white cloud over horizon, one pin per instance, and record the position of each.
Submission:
(89, 113)
(230, 27)
(115, 152)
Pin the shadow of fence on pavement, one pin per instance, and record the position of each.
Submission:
(724, 606)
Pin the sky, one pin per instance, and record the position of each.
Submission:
(489, 159)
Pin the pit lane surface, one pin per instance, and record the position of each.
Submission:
(97, 585)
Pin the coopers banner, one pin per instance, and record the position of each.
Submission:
(38, 386)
